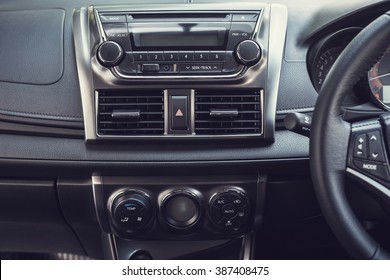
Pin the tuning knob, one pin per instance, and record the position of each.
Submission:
(131, 211)
(110, 54)
(248, 52)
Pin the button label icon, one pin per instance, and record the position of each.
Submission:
(370, 166)
(179, 113)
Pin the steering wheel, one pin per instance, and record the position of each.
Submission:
(340, 149)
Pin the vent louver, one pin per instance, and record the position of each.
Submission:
(127, 113)
(228, 112)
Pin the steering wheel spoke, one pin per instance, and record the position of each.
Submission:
(368, 160)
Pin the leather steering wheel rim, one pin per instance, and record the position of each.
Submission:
(329, 139)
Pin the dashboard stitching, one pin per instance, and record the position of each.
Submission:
(386, 118)
(31, 114)
(366, 124)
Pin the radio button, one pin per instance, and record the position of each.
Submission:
(150, 68)
(245, 17)
(118, 32)
(127, 66)
(231, 65)
(140, 56)
(217, 56)
(171, 56)
(202, 56)
(200, 67)
(155, 56)
(239, 31)
(186, 56)
(112, 18)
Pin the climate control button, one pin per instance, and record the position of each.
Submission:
(229, 210)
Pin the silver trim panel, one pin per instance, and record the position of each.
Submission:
(81, 33)
(270, 35)
(374, 184)
(277, 37)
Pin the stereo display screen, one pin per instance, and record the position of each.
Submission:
(178, 36)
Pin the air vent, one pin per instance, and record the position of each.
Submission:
(129, 113)
(228, 112)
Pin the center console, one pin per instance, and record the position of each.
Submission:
(191, 73)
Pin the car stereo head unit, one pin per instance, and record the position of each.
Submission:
(176, 43)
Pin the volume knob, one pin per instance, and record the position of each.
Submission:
(110, 54)
(248, 52)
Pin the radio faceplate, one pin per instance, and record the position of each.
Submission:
(176, 44)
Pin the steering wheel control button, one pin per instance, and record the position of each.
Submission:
(360, 149)
(374, 169)
(376, 149)
(181, 209)
(229, 211)
(131, 211)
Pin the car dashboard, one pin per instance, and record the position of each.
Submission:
(154, 129)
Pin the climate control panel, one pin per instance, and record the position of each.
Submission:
(175, 211)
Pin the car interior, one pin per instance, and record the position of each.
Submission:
(193, 130)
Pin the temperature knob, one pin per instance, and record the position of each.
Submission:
(131, 211)
(248, 52)
(110, 54)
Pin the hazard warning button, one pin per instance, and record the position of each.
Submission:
(179, 112)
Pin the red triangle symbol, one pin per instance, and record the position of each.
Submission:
(179, 113)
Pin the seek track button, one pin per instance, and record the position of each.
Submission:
(200, 68)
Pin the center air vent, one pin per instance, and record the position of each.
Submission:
(228, 112)
(129, 113)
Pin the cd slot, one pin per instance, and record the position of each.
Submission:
(179, 17)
